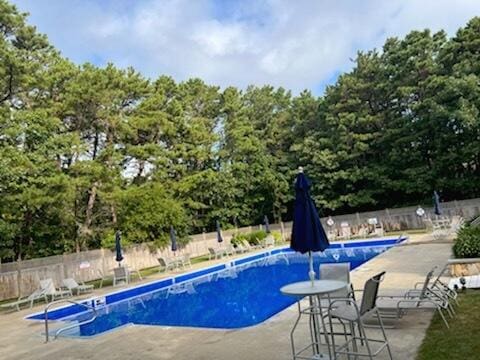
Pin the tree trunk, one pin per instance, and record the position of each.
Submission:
(88, 215)
(114, 215)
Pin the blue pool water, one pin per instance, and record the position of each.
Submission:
(239, 294)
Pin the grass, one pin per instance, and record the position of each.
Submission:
(144, 272)
(461, 341)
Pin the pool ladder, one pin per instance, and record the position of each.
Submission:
(59, 331)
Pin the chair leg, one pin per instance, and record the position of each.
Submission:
(354, 335)
(363, 335)
(384, 335)
(452, 309)
(449, 311)
(443, 318)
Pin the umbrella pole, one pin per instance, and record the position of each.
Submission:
(311, 273)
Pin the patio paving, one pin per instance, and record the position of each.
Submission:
(405, 265)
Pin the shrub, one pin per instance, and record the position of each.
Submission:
(277, 235)
(467, 244)
(108, 241)
(256, 237)
(253, 238)
(238, 239)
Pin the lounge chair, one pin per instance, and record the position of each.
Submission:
(185, 261)
(38, 294)
(396, 306)
(52, 291)
(269, 241)
(73, 286)
(216, 253)
(165, 264)
(229, 250)
(348, 312)
(239, 249)
(427, 288)
(249, 246)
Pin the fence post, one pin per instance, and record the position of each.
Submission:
(65, 275)
(103, 263)
(19, 278)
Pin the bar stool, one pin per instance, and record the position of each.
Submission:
(347, 311)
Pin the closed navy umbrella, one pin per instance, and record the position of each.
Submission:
(219, 232)
(307, 231)
(436, 204)
(118, 247)
(267, 224)
(173, 239)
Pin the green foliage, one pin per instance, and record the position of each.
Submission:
(146, 213)
(253, 238)
(239, 238)
(467, 243)
(108, 241)
(277, 235)
(87, 150)
(256, 237)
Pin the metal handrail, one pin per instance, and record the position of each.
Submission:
(88, 307)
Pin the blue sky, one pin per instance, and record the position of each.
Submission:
(295, 44)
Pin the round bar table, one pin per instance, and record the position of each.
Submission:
(315, 292)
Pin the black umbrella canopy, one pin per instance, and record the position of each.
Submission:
(219, 232)
(436, 204)
(173, 239)
(307, 230)
(267, 224)
(118, 247)
(308, 234)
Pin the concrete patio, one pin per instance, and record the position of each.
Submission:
(405, 265)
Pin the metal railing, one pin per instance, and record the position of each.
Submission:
(59, 331)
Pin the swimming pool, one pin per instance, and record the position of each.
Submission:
(237, 294)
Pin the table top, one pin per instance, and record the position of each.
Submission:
(305, 288)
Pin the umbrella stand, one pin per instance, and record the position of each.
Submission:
(311, 273)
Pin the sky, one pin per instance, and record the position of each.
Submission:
(297, 44)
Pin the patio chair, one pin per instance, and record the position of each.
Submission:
(38, 294)
(240, 249)
(73, 286)
(439, 287)
(165, 264)
(337, 271)
(269, 241)
(135, 272)
(229, 250)
(396, 306)
(52, 291)
(186, 261)
(215, 253)
(427, 288)
(120, 274)
(249, 246)
(346, 311)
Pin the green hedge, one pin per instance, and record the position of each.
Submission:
(467, 244)
(255, 237)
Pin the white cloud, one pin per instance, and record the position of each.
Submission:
(297, 44)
